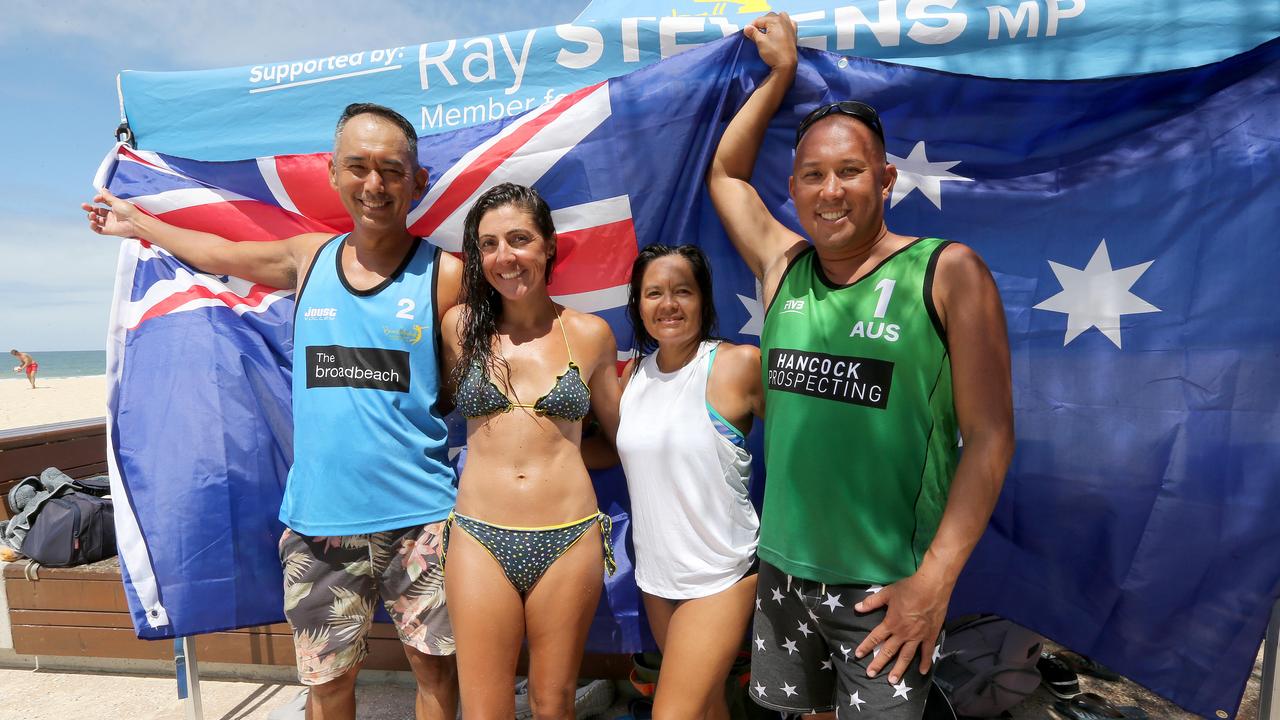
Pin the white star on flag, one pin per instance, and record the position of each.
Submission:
(1097, 296)
(937, 653)
(760, 690)
(833, 602)
(826, 664)
(790, 645)
(760, 643)
(755, 307)
(874, 589)
(915, 172)
(777, 596)
(856, 701)
(804, 629)
(789, 689)
(846, 652)
(901, 690)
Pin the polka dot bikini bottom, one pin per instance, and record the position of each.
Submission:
(524, 554)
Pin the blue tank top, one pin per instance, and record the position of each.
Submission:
(370, 449)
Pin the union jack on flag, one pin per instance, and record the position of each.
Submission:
(275, 197)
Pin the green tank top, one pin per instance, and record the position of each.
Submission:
(860, 428)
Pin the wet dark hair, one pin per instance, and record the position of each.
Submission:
(643, 342)
(384, 112)
(482, 305)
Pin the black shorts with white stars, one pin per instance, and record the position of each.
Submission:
(802, 653)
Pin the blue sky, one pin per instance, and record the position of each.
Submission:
(59, 65)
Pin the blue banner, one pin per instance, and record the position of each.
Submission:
(290, 107)
(1047, 39)
(1129, 225)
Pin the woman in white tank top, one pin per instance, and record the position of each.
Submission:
(687, 405)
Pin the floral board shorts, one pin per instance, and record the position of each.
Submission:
(331, 585)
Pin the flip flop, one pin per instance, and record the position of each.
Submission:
(1088, 706)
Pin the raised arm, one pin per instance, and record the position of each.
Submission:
(277, 263)
(763, 242)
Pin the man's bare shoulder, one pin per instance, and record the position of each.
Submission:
(309, 241)
(450, 264)
(964, 289)
(959, 263)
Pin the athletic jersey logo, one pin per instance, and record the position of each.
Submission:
(365, 368)
(411, 335)
(853, 380)
(320, 314)
(795, 305)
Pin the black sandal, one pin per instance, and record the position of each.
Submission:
(1088, 706)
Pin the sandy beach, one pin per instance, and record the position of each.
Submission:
(53, 400)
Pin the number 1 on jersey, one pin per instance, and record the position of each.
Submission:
(885, 288)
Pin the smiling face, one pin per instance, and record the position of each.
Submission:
(375, 174)
(514, 255)
(840, 184)
(671, 302)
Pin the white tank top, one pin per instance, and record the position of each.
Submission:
(694, 527)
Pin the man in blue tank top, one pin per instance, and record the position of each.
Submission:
(371, 484)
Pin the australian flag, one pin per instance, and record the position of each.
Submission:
(1127, 222)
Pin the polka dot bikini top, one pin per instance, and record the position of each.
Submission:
(569, 399)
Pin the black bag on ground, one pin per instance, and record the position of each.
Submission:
(73, 528)
(988, 665)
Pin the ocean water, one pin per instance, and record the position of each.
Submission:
(56, 364)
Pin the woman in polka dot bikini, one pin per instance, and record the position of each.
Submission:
(527, 545)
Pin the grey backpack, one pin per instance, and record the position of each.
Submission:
(988, 665)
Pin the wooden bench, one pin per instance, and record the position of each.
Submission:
(77, 448)
(82, 611)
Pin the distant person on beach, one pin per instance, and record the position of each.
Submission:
(880, 352)
(371, 484)
(28, 365)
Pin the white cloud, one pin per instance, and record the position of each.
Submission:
(199, 34)
(56, 283)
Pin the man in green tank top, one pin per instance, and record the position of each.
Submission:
(880, 352)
